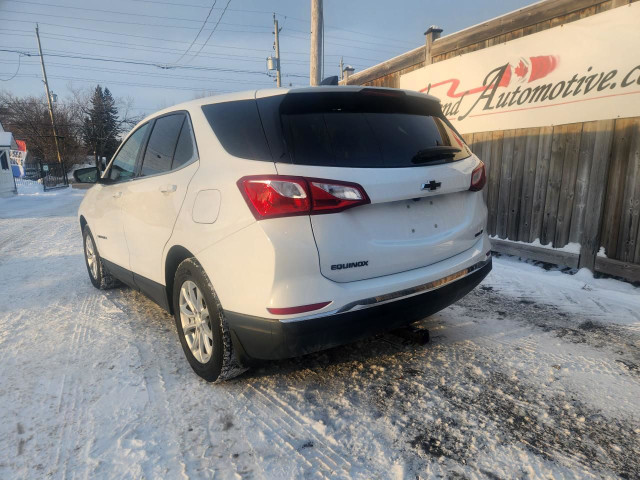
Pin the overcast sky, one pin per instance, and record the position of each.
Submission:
(364, 32)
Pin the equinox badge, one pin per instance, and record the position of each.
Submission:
(342, 266)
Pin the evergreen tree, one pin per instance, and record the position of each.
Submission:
(113, 126)
(101, 126)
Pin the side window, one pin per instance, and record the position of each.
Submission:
(124, 164)
(162, 144)
(239, 129)
(185, 151)
(3, 161)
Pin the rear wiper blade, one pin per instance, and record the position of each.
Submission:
(439, 152)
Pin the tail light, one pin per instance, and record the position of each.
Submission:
(478, 178)
(272, 196)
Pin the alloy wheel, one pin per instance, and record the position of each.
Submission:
(196, 323)
(92, 260)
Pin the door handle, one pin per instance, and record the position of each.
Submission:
(117, 195)
(168, 188)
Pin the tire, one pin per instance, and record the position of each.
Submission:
(98, 273)
(207, 343)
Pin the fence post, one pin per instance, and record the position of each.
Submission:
(596, 194)
(431, 35)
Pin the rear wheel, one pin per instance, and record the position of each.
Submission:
(201, 324)
(99, 275)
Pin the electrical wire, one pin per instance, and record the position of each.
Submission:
(106, 32)
(133, 46)
(148, 64)
(101, 20)
(199, 31)
(25, 2)
(72, 66)
(196, 20)
(214, 29)
(266, 32)
(204, 6)
(130, 84)
(15, 74)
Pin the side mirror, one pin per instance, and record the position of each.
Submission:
(86, 175)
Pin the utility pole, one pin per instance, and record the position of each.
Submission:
(315, 59)
(46, 87)
(341, 69)
(276, 32)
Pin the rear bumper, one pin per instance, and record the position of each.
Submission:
(257, 338)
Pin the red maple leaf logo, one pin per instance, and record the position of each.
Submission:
(521, 70)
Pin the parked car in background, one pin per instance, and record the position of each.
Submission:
(281, 222)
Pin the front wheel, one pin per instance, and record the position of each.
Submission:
(201, 325)
(99, 275)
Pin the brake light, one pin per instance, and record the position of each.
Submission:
(379, 92)
(478, 178)
(268, 197)
(272, 196)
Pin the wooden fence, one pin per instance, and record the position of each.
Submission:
(576, 183)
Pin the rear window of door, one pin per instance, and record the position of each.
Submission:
(162, 144)
(186, 148)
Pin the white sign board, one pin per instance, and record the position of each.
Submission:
(585, 70)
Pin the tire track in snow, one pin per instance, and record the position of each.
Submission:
(278, 436)
(139, 315)
(290, 417)
(72, 404)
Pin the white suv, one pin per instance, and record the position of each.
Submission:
(280, 222)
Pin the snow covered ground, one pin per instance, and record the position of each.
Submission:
(535, 374)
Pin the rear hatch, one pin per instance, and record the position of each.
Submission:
(412, 164)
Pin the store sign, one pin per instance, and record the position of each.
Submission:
(585, 70)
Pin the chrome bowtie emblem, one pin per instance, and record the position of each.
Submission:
(431, 185)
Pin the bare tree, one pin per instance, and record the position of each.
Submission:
(28, 119)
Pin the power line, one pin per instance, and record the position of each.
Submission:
(130, 84)
(135, 36)
(333, 27)
(200, 6)
(25, 2)
(144, 74)
(196, 28)
(16, 73)
(341, 38)
(295, 19)
(148, 64)
(195, 20)
(214, 29)
(392, 52)
(101, 20)
(199, 31)
(106, 32)
(132, 46)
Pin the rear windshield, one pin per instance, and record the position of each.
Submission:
(371, 128)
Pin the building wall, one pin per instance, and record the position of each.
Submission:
(7, 186)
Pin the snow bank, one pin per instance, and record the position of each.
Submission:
(571, 247)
